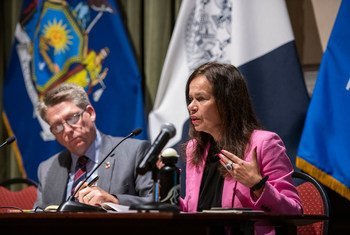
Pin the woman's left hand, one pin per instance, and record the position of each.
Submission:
(247, 173)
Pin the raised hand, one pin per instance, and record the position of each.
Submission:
(247, 173)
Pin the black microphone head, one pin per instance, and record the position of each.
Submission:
(136, 132)
(10, 139)
(170, 128)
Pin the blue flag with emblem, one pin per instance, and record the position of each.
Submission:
(324, 147)
(81, 42)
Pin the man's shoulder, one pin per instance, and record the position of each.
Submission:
(60, 158)
(114, 139)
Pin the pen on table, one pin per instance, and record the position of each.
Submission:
(93, 181)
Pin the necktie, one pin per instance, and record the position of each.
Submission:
(80, 171)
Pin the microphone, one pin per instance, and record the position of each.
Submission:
(72, 206)
(8, 141)
(148, 162)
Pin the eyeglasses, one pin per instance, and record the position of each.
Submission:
(72, 120)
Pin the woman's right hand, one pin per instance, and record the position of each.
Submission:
(247, 173)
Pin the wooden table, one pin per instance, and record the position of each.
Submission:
(145, 223)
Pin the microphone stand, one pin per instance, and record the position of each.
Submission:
(155, 205)
(73, 206)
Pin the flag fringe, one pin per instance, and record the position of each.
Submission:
(14, 147)
(323, 177)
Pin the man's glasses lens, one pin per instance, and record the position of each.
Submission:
(55, 129)
(73, 119)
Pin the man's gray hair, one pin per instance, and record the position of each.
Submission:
(63, 92)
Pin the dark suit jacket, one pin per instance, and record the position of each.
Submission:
(119, 179)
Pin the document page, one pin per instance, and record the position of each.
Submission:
(112, 207)
(232, 210)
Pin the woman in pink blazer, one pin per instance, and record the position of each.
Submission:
(231, 161)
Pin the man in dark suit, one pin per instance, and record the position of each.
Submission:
(71, 118)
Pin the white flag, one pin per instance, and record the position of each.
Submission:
(236, 32)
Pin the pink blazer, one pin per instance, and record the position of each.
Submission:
(279, 194)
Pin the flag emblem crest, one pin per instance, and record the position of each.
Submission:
(60, 49)
(58, 43)
(60, 52)
(208, 32)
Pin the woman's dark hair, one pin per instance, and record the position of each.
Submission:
(234, 106)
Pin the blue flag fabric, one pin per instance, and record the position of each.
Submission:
(81, 42)
(324, 148)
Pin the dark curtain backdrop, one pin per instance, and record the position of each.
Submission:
(150, 24)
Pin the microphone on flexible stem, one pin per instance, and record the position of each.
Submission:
(73, 206)
(167, 132)
(8, 141)
(148, 163)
